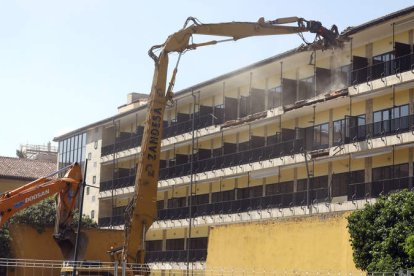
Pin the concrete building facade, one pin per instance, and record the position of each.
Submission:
(293, 135)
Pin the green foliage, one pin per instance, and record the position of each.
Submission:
(381, 234)
(21, 154)
(39, 216)
(5, 250)
(409, 247)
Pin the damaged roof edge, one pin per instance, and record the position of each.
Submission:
(352, 30)
(347, 32)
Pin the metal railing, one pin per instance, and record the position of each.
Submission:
(235, 159)
(378, 188)
(380, 70)
(20, 267)
(282, 200)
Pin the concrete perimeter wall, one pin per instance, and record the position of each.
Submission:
(28, 243)
(313, 243)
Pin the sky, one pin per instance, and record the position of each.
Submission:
(67, 64)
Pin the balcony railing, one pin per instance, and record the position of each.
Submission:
(234, 206)
(196, 255)
(380, 129)
(356, 191)
(383, 69)
(378, 188)
(170, 131)
(117, 183)
(234, 159)
(244, 205)
(122, 144)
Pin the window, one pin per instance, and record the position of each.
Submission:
(95, 145)
(339, 132)
(390, 172)
(92, 214)
(382, 65)
(176, 202)
(306, 88)
(90, 156)
(223, 196)
(320, 136)
(279, 188)
(200, 199)
(94, 179)
(72, 150)
(198, 243)
(160, 204)
(87, 190)
(243, 193)
(153, 245)
(357, 176)
(342, 76)
(390, 120)
(175, 244)
(340, 184)
(274, 97)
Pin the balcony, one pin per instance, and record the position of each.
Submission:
(356, 191)
(117, 183)
(234, 159)
(380, 70)
(379, 129)
(133, 141)
(378, 188)
(244, 205)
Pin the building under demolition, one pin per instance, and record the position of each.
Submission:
(296, 139)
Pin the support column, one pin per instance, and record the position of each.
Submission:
(330, 184)
(266, 94)
(369, 52)
(330, 128)
(185, 238)
(165, 199)
(368, 174)
(295, 179)
(238, 103)
(210, 190)
(164, 240)
(368, 111)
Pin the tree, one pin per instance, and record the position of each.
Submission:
(21, 154)
(39, 216)
(381, 234)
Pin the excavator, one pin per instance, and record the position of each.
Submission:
(67, 188)
(141, 211)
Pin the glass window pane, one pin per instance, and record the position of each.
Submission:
(395, 112)
(324, 134)
(386, 115)
(377, 117)
(404, 110)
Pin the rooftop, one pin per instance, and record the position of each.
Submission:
(25, 169)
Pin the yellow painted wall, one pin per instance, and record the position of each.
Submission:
(29, 244)
(10, 184)
(315, 243)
